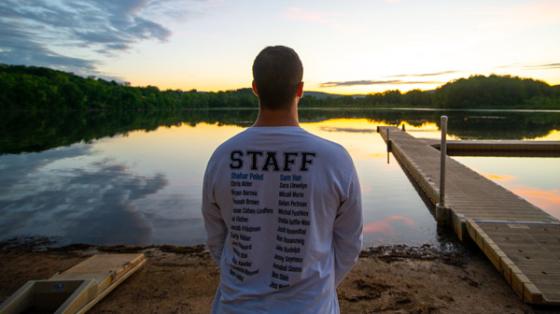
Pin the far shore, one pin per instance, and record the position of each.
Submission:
(395, 108)
(183, 279)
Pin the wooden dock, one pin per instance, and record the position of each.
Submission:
(510, 148)
(520, 239)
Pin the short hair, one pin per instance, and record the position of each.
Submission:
(277, 71)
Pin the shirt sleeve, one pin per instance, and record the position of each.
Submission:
(216, 229)
(348, 224)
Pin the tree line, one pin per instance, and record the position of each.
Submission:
(42, 89)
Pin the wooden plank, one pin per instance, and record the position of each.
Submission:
(128, 270)
(511, 148)
(520, 240)
(77, 289)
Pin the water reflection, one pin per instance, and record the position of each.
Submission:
(387, 225)
(62, 194)
(136, 183)
(393, 210)
(553, 135)
(52, 130)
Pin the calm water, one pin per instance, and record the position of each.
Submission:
(136, 182)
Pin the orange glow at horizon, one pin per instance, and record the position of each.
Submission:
(220, 84)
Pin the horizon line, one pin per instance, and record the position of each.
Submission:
(326, 85)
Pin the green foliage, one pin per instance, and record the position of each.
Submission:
(41, 89)
(496, 92)
(475, 92)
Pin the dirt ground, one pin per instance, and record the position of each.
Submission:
(391, 279)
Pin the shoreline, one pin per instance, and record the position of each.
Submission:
(183, 279)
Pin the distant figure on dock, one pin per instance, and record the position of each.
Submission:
(282, 207)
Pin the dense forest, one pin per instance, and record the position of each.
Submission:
(42, 89)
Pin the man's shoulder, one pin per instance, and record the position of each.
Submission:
(228, 144)
(326, 144)
(330, 150)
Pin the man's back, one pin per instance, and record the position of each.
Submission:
(283, 215)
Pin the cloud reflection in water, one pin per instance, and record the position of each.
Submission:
(92, 203)
(387, 225)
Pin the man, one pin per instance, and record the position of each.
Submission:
(282, 207)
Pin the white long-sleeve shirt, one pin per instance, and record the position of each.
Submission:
(282, 210)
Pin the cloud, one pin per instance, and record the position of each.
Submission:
(31, 32)
(19, 47)
(380, 82)
(546, 66)
(530, 67)
(425, 74)
(537, 12)
(506, 66)
(310, 16)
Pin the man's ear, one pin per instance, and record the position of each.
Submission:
(299, 91)
(255, 91)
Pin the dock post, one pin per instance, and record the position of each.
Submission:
(388, 147)
(388, 141)
(441, 211)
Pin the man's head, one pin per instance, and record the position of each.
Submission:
(277, 75)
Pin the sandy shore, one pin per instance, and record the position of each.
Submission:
(392, 279)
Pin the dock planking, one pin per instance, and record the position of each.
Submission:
(521, 240)
(510, 148)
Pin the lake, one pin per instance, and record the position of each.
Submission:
(135, 178)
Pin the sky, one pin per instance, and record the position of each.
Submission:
(347, 47)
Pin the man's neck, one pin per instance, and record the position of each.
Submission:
(268, 117)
